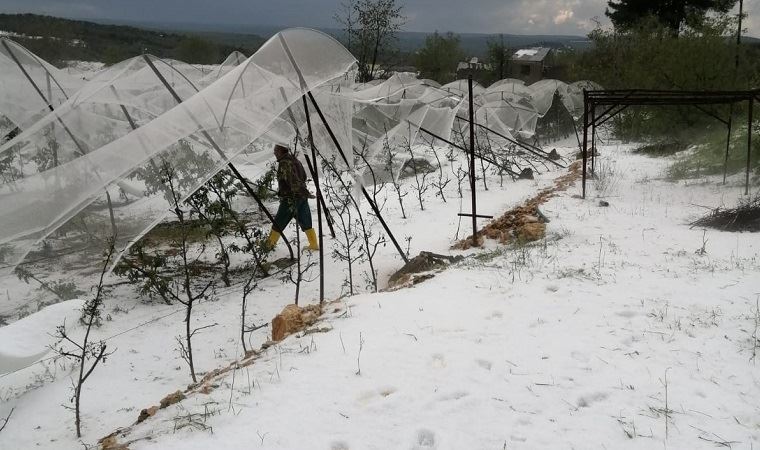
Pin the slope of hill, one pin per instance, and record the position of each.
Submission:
(55, 39)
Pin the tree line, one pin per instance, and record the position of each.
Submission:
(57, 40)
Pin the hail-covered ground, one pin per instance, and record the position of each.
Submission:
(622, 328)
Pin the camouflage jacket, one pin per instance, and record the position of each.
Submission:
(291, 179)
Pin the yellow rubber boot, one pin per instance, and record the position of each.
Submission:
(311, 235)
(272, 240)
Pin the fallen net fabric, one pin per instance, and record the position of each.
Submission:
(113, 138)
(198, 136)
(29, 87)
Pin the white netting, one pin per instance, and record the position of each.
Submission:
(29, 86)
(93, 165)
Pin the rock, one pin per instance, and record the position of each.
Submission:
(293, 319)
(553, 155)
(529, 219)
(604, 203)
(531, 232)
(526, 174)
(171, 399)
(110, 443)
(147, 412)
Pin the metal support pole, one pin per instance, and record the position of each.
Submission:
(585, 138)
(593, 140)
(749, 144)
(364, 190)
(79, 146)
(219, 151)
(728, 142)
(315, 174)
(305, 88)
(472, 166)
(312, 168)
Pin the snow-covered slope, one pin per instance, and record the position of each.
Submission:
(624, 328)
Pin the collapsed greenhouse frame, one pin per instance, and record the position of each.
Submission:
(616, 101)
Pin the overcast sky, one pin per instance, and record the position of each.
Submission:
(475, 16)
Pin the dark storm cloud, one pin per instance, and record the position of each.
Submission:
(475, 16)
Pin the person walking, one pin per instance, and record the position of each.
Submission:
(294, 198)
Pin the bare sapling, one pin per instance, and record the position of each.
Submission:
(346, 240)
(250, 285)
(755, 340)
(443, 180)
(255, 269)
(212, 205)
(390, 168)
(359, 355)
(85, 353)
(182, 289)
(421, 182)
(6, 419)
(483, 149)
(460, 174)
(377, 185)
(299, 272)
(370, 243)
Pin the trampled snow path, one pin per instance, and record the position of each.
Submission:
(562, 344)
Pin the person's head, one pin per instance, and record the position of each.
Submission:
(280, 151)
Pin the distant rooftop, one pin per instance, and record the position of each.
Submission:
(534, 54)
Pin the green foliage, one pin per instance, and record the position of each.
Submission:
(148, 271)
(264, 184)
(47, 156)
(64, 290)
(648, 56)
(198, 50)
(498, 57)
(438, 59)
(626, 14)
(709, 156)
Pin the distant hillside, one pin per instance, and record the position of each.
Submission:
(56, 40)
(473, 44)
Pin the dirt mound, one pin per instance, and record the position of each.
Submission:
(293, 319)
(418, 268)
(525, 223)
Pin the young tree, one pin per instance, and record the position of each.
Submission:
(371, 27)
(86, 354)
(625, 14)
(438, 59)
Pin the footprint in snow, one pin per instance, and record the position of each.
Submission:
(495, 315)
(578, 356)
(425, 440)
(484, 363)
(586, 400)
(438, 361)
(454, 395)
